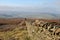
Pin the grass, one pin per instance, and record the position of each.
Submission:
(16, 33)
(32, 33)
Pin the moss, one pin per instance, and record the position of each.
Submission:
(27, 38)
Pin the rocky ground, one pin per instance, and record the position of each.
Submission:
(29, 29)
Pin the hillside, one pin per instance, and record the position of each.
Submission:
(29, 29)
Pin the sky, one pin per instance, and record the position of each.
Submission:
(52, 6)
(24, 2)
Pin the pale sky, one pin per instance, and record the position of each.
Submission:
(52, 6)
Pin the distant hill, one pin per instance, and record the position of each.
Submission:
(14, 14)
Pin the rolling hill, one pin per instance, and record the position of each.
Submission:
(14, 14)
